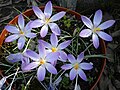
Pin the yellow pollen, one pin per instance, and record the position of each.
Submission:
(96, 29)
(42, 61)
(54, 49)
(76, 66)
(47, 20)
(21, 32)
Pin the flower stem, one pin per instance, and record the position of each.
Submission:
(28, 83)
(13, 79)
(59, 76)
(88, 47)
(51, 79)
(76, 83)
(43, 85)
(13, 74)
(27, 45)
(85, 45)
(10, 68)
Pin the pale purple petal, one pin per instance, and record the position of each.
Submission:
(37, 23)
(21, 42)
(97, 18)
(95, 40)
(85, 33)
(51, 68)
(11, 38)
(71, 58)
(33, 55)
(80, 57)
(87, 22)
(86, 66)
(46, 44)
(104, 36)
(106, 24)
(55, 28)
(82, 74)
(41, 73)
(30, 35)
(28, 26)
(73, 74)
(14, 57)
(63, 56)
(12, 29)
(64, 44)
(51, 57)
(48, 9)
(30, 66)
(41, 50)
(25, 62)
(38, 12)
(44, 31)
(66, 66)
(57, 16)
(54, 40)
(21, 22)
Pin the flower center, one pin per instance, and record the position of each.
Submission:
(76, 66)
(47, 20)
(96, 29)
(42, 61)
(21, 32)
(54, 49)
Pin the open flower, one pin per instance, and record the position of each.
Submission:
(76, 66)
(46, 20)
(96, 28)
(20, 32)
(43, 60)
(54, 47)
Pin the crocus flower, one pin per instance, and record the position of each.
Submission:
(54, 47)
(12, 58)
(43, 60)
(76, 66)
(46, 20)
(96, 28)
(20, 32)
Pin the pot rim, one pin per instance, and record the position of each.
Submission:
(29, 12)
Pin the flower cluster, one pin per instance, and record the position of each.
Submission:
(47, 54)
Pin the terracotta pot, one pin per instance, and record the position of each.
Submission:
(30, 12)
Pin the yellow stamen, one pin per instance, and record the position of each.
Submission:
(96, 29)
(42, 61)
(47, 20)
(54, 49)
(21, 32)
(76, 66)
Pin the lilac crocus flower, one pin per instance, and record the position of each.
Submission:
(54, 47)
(96, 29)
(20, 32)
(43, 60)
(12, 58)
(46, 20)
(76, 66)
